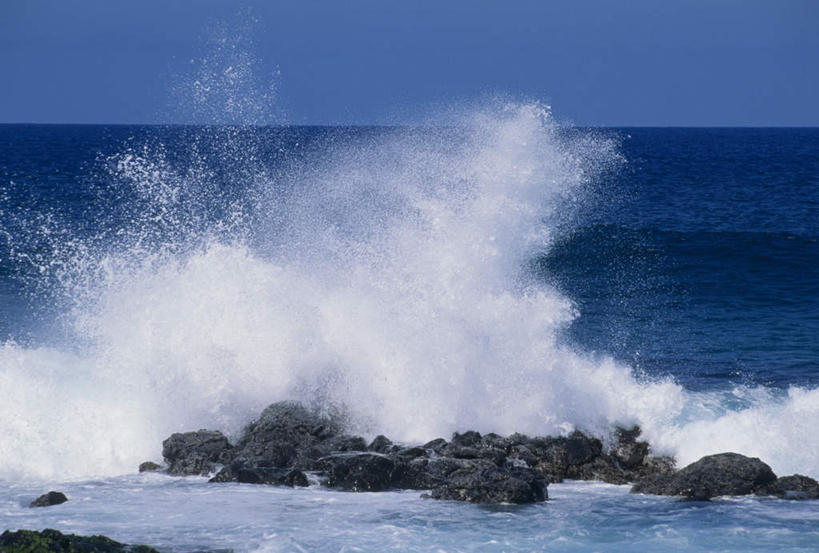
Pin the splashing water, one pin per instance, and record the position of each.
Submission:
(384, 275)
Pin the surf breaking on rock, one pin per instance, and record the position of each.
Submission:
(383, 277)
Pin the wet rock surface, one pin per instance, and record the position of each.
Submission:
(359, 472)
(795, 486)
(288, 440)
(483, 481)
(241, 471)
(196, 453)
(49, 499)
(48, 540)
(712, 476)
(149, 466)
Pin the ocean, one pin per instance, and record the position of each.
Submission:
(501, 272)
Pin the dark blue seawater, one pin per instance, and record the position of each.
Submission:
(702, 259)
(160, 279)
(698, 258)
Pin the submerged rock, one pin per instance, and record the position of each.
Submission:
(48, 540)
(49, 499)
(196, 453)
(711, 476)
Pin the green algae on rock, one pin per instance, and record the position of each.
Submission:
(53, 541)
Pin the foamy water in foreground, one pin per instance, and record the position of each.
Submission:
(188, 514)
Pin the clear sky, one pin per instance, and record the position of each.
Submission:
(597, 62)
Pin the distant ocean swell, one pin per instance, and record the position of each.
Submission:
(388, 278)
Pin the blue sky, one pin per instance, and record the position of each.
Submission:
(637, 62)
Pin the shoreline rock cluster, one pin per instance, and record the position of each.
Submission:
(289, 442)
(30, 541)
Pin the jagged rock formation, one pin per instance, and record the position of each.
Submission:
(48, 540)
(289, 439)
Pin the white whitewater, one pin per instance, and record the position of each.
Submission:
(387, 279)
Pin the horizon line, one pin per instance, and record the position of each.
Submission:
(391, 126)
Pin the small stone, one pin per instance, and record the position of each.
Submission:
(49, 499)
(148, 466)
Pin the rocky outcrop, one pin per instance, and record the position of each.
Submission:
(289, 439)
(288, 435)
(28, 541)
(711, 476)
(196, 453)
(49, 499)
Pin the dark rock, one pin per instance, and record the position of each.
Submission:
(411, 452)
(307, 458)
(524, 454)
(518, 439)
(195, 453)
(711, 476)
(28, 541)
(482, 481)
(436, 445)
(479, 451)
(49, 499)
(494, 441)
(241, 471)
(795, 486)
(347, 443)
(603, 468)
(661, 464)
(470, 438)
(581, 457)
(471, 445)
(461, 452)
(359, 472)
(296, 479)
(288, 434)
(424, 473)
(562, 457)
(627, 451)
(497, 456)
(381, 444)
(148, 466)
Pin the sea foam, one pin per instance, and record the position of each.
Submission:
(385, 278)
